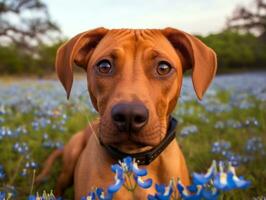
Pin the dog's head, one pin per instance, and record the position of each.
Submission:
(135, 77)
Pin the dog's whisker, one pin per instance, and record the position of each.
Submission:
(93, 133)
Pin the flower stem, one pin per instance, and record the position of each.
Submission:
(32, 181)
(130, 183)
(12, 179)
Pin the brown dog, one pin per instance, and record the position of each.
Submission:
(134, 81)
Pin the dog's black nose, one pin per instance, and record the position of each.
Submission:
(129, 117)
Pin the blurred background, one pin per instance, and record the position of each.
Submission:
(31, 31)
(36, 118)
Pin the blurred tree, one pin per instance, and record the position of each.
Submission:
(237, 51)
(251, 19)
(25, 23)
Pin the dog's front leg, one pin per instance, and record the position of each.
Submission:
(72, 151)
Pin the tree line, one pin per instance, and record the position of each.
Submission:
(31, 48)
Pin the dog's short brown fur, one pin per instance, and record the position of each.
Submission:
(134, 56)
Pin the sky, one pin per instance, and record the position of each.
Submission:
(193, 16)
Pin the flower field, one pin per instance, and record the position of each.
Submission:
(229, 124)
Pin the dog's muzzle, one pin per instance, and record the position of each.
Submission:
(146, 157)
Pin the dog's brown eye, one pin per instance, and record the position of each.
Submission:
(104, 66)
(163, 68)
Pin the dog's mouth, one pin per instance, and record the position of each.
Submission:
(144, 154)
(131, 147)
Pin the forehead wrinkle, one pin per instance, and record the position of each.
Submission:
(152, 53)
(145, 35)
(160, 53)
(116, 52)
(120, 35)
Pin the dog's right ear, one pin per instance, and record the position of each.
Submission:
(77, 50)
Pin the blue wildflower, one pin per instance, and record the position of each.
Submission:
(24, 172)
(254, 145)
(228, 180)
(138, 171)
(32, 197)
(90, 196)
(143, 183)
(201, 179)
(191, 129)
(2, 195)
(130, 165)
(239, 182)
(2, 173)
(119, 178)
(163, 192)
(31, 165)
(189, 195)
(210, 194)
(101, 196)
(151, 197)
(21, 148)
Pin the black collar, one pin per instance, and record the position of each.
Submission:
(146, 157)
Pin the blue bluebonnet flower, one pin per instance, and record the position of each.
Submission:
(31, 165)
(187, 194)
(191, 129)
(5, 132)
(8, 191)
(2, 173)
(119, 178)
(163, 192)
(103, 196)
(220, 147)
(234, 158)
(208, 185)
(21, 148)
(143, 183)
(130, 167)
(24, 172)
(21, 130)
(45, 136)
(32, 197)
(210, 193)
(232, 123)
(49, 144)
(254, 145)
(2, 120)
(251, 121)
(2, 195)
(138, 171)
(201, 179)
(228, 180)
(219, 125)
(35, 125)
(90, 196)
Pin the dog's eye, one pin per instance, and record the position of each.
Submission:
(163, 68)
(104, 66)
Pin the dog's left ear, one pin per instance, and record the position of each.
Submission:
(77, 50)
(196, 55)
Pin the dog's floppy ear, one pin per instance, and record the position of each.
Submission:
(77, 50)
(195, 55)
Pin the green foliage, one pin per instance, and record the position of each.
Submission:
(237, 51)
(16, 61)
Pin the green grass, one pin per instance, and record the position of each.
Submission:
(197, 147)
